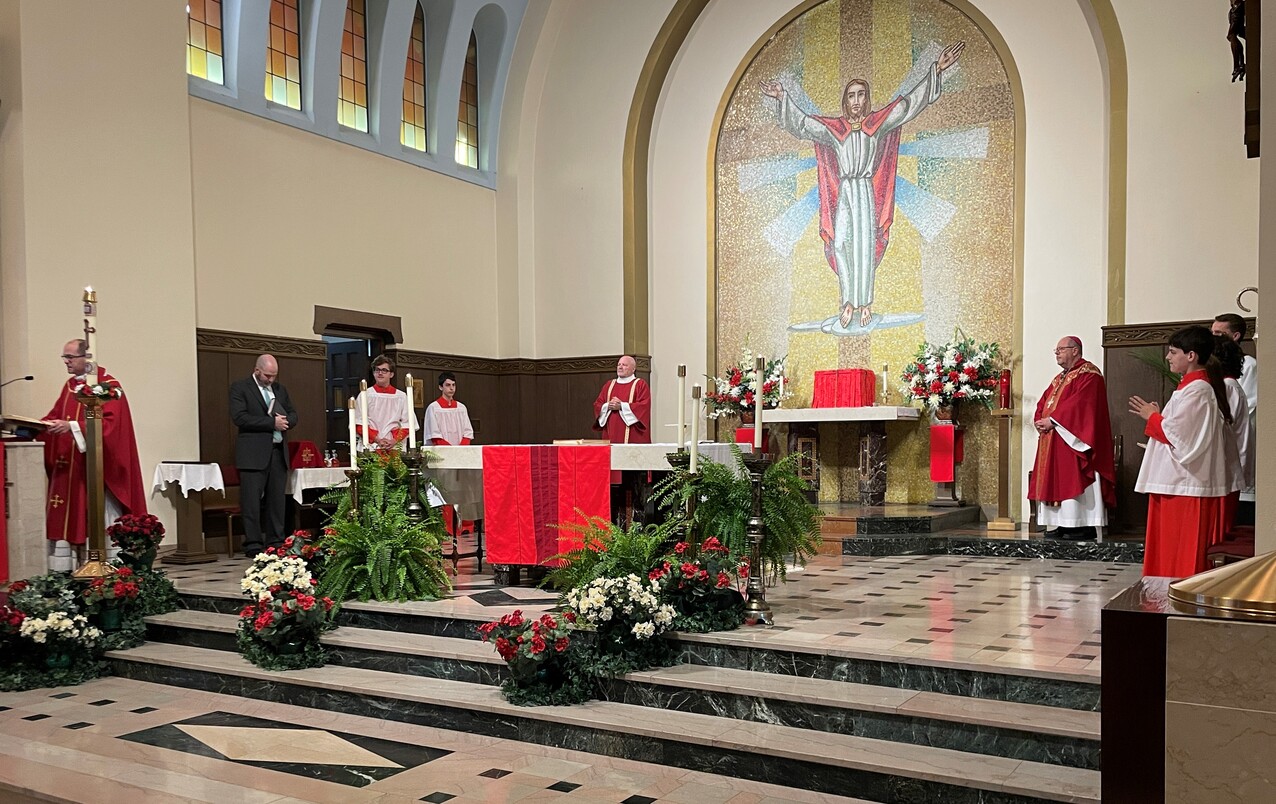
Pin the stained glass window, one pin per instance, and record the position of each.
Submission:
(204, 40)
(413, 131)
(467, 122)
(352, 100)
(283, 54)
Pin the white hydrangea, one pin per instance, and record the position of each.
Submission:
(644, 630)
(287, 572)
(59, 625)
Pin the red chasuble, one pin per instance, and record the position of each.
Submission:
(638, 395)
(1076, 399)
(828, 177)
(66, 509)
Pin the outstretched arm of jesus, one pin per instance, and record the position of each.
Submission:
(794, 119)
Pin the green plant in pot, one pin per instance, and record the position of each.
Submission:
(379, 552)
(606, 550)
(724, 503)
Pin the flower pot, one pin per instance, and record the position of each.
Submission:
(290, 647)
(747, 416)
(947, 415)
(57, 661)
(109, 618)
(140, 561)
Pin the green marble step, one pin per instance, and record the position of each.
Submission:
(878, 770)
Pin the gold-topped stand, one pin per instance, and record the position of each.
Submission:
(1003, 522)
(1244, 590)
(95, 565)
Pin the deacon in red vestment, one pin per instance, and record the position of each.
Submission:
(1074, 475)
(64, 445)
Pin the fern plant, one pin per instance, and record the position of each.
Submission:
(382, 554)
(725, 501)
(607, 551)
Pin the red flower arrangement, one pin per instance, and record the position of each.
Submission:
(703, 584)
(108, 592)
(136, 534)
(286, 615)
(524, 643)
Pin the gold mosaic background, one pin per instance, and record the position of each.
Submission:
(962, 276)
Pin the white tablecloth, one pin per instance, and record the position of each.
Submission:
(323, 477)
(189, 477)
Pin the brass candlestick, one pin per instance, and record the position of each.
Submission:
(354, 474)
(756, 609)
(1003, 521)
(95, 565)
(415, 510)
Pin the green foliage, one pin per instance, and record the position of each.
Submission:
(158, 595)
(607, 551)
(725, 503)
(382, 554)
(704, 585)
(296, 655)
(1155, 360)
(56, 660)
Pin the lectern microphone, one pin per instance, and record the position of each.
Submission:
(27, 378)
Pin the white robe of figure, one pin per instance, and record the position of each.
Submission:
(1201, 459)
(855, 218)
(1249, 384)
(1083, 511)
(387, 412)
(462, 488)
(450, 424)
(1242, 431)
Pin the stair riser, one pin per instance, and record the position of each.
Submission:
(993, 741)
(426, 624)
(914, 545)
(876, 786)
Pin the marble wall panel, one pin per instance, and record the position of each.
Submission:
(1221, 663)
(1218, 755)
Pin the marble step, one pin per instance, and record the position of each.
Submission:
(1016, 545)
(742, 650)
(877, 770)
(1026, 731)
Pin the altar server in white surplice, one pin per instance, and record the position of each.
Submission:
(388, 415)
(446, 420)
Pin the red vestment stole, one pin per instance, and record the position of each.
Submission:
(1077, 400)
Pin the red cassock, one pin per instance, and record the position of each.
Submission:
(1077, 399)
(66, 509)
(638, 395)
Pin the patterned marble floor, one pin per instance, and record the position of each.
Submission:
(1028, 616)
(100, 742)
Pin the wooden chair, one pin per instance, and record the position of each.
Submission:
(227, 506)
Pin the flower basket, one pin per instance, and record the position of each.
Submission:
(541, 658)
(46, 640)
(280, 629)
(942, 375)
(733, 394)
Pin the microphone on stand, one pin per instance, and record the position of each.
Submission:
(27, 378)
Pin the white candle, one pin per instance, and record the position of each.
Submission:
(682, 404)
(363, 411)
(758, 378)
(695, 428)
(411, 417)
(353, 444)
(90, 333)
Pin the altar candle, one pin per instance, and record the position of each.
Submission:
(758, 378)
(411, 417)
(353, 446)
(363, 410)
(695, 428)
(682, 404)
(1005, 388)
(90, 332)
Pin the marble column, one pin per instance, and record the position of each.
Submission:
(872, 463)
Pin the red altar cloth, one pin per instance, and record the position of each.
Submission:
(527, 490)
(744, 435)
(304, 455)
(844, 388)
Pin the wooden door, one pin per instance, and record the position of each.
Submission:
(348, 363)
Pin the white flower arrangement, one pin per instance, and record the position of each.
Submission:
(941, 374)
(733, 393)
(59, 625)
(274, 572)
(638, 601)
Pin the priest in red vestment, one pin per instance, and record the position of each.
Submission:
(1074, 476)
(64, 451)
(623, 407)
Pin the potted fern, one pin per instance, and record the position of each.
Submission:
(381, 553)
(724, 501)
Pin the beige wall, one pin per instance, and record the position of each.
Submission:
(286, 220)
(96, 167)
(1193, 195)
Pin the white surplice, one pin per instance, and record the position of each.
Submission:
(1201, 459)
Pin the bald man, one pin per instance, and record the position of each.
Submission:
(262, 411)
(1073, 480)
(623, 407)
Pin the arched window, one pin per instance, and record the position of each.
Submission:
(283, 54)
(413, 132)
(352, 106)
(467, 122)
(204, 40)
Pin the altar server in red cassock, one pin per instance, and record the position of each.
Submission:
(64, 451)
(388, 413)
(446, 420)
(1190, 462)
(1074, 476)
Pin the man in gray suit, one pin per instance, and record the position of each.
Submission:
(262, 411)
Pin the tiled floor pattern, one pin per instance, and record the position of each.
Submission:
(1028, 616)
(116, 740)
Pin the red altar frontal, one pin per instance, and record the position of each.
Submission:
(529, 492)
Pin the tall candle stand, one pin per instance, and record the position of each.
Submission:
(354, 473)
(756, 609)
(95, 566)
(415, 510)
(1003, 520)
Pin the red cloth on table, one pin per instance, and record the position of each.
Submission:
(527, 490)
(66, 512)
(744, 435)
(1078, 400)
(1180, 531)
(844, 388)
(304, 455)
(947, 449)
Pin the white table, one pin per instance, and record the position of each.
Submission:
(321, 477)
(623, 456)
(183, 477)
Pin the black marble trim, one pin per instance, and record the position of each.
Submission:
(874, 785)
(916, 730)
(911, 545)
